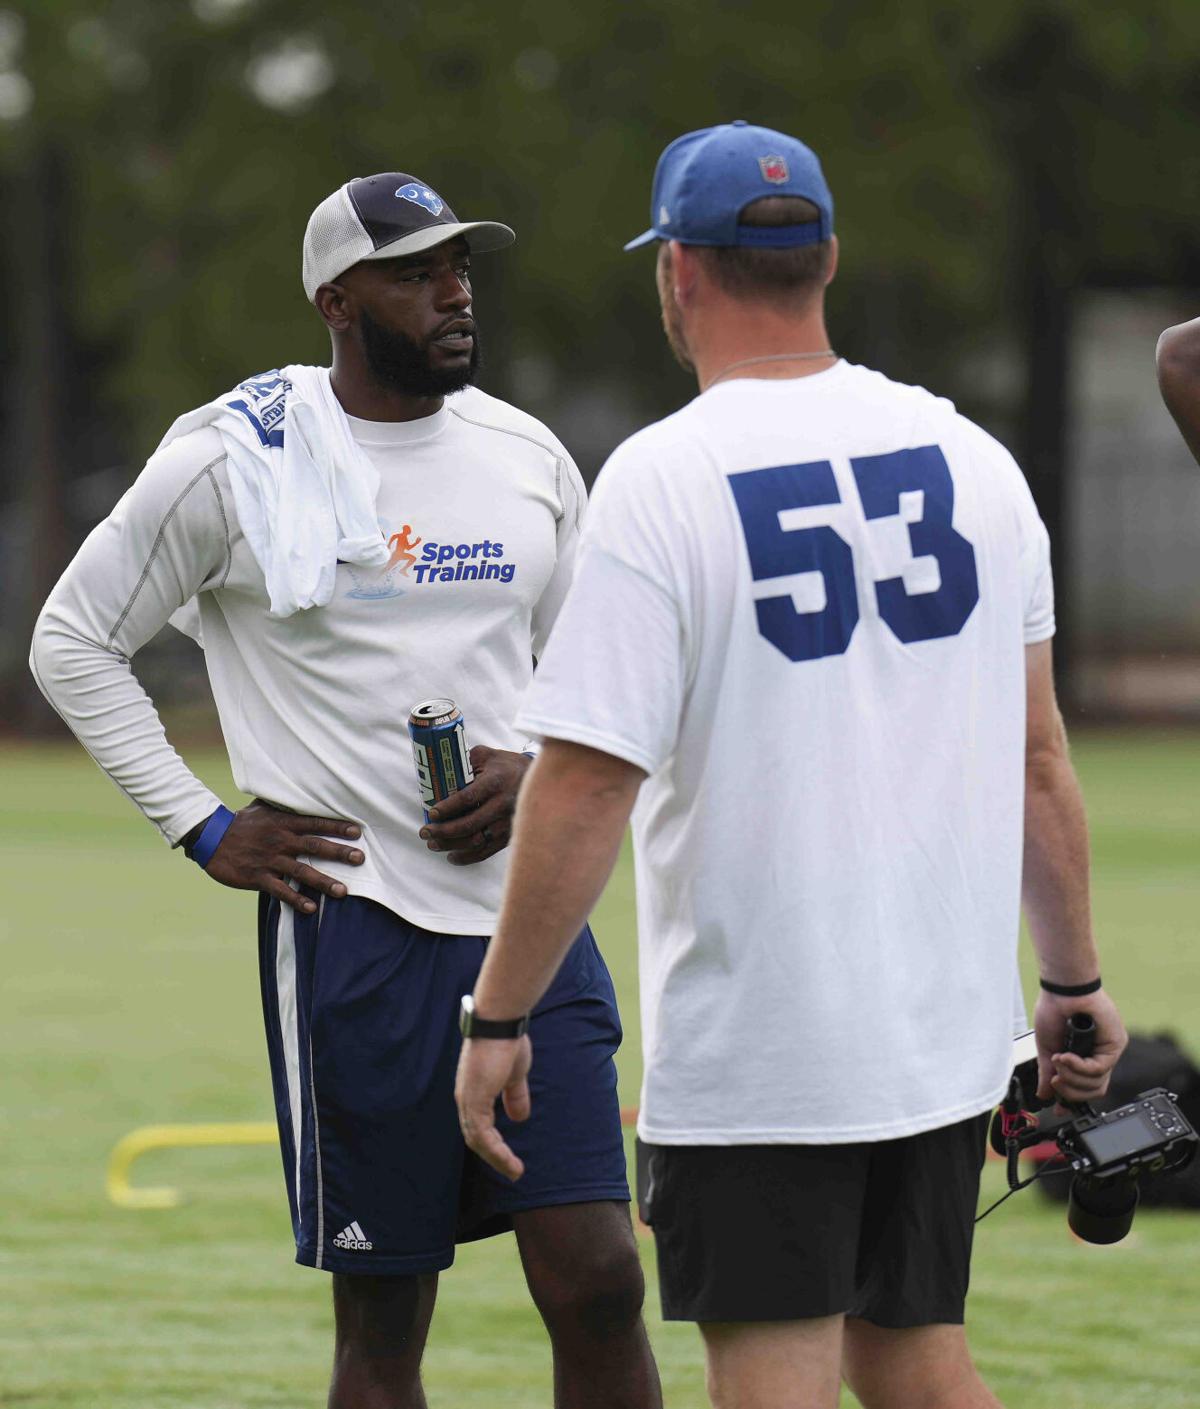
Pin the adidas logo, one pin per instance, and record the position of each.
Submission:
(353, 1239)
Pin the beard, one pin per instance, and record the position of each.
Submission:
(402, 364)
(672, 318)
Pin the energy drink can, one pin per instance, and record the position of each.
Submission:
(439, 741)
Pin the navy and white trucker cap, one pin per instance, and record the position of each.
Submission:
(381, 217)
(706, 179)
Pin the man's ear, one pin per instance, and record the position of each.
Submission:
(685, 272)
(333, 304)
(833, 260)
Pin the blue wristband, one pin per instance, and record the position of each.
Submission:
(210, 838)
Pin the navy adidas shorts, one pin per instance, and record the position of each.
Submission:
(361, 1011)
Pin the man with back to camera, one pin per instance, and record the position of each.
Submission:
(358, 539)
(810, 624)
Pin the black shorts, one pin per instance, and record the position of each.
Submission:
(879, 1230)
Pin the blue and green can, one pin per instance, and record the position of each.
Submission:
(439, 741)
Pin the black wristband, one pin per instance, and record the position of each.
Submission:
(470, 1024)
(1072, 990)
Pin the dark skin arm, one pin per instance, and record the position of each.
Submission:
(457, 825)
(1178, 362)
(262, 847)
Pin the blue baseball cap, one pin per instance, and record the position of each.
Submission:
(705, 179)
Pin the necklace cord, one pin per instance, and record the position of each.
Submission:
(773, 357)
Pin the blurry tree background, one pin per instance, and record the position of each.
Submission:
(996, 170)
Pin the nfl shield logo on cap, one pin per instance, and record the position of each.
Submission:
(706, 179)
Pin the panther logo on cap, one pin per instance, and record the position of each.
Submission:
(774, 170)
(422, 196)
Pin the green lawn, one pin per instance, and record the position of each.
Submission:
(130, 996)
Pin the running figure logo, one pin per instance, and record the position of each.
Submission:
(377, 585)
(402, 544)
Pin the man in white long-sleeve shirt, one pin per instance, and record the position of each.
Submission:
(368, 938)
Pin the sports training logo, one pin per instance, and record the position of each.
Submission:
(422, 196)
(774, 170)
(482, 561)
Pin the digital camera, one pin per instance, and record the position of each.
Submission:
(1105, 1153)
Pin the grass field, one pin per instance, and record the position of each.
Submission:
(130, 996)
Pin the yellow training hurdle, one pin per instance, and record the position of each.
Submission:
(173, 1137)
(168, 1137)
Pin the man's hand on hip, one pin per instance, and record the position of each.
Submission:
(487, 1068)
(262, 850)
(476, 822)
(1065, 1076)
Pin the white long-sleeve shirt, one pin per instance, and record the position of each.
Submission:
(483, 505)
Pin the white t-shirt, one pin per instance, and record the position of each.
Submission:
(484, 505)
(802, 607)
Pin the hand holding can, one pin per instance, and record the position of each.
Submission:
(439, 742)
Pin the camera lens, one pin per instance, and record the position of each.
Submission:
(1101, 1210)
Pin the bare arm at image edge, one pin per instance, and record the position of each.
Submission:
(1178, 362)
(1055, 895)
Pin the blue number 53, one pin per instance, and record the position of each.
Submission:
(760, 496)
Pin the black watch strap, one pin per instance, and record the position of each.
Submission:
(470, 1024)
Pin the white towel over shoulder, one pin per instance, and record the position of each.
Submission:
(305, 493)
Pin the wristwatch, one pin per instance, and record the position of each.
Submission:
(470, 1024)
